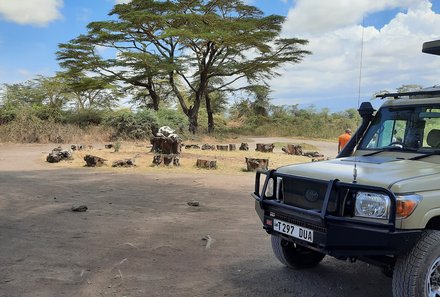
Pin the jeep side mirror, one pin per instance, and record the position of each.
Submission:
(432, 47)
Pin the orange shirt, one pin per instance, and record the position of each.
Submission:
(343, 139)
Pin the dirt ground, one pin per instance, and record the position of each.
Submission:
(139, 237)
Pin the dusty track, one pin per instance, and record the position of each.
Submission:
(140, 238)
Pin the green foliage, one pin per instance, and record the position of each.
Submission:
(47, 112)
(117, 146)
(158, 41)
(7, 114)
(172, 118)
(291, 121)
(84, 118)
(26, 128)
(133, 126)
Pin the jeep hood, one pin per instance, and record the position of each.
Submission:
(400, 176)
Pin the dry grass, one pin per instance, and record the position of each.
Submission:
(232, 162)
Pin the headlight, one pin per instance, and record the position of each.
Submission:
(269, 188)
(406, 204)
(372, 205)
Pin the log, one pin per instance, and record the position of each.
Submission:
(232, 147)
(165, 145)
(192, 146)
(167, 159)
(313, 154)
(292, 149)
(255, 163)
(94, 161)
(222, 147)
(124, 163)
(244, 146)
(208, 164)
(206, 147)
(265, 147)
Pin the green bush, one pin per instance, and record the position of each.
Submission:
(7, 115)
(132, 126)
(44, 112)
(173, 119)
(84, 118)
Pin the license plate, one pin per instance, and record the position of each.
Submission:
(293, 230)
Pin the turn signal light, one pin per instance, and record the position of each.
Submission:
(405, 207)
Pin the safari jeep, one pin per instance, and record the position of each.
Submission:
(378, 201)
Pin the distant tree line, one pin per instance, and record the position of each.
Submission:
(179, 63)
(48, 101)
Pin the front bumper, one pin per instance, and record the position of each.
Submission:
(335, 235)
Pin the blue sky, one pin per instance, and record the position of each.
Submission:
(393, 30)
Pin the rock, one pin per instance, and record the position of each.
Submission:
(81, 208)
(292, 149)
(94, 161)
(166, 132)
(108, 145)
(265, 147)
(194, 203)
(244, 146)
(232, 147)
(57, 155)
(208, 241)
(123, 163)
(77, 147)
(255, 163)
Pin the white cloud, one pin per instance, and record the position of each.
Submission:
(391, 55)
(122, 1)
(34, 12)
(317, 16)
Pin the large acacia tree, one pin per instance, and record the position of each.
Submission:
(209, 45)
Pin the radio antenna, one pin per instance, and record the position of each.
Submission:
(359, 94)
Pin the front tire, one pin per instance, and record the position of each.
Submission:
(293, 255)
(417, 272)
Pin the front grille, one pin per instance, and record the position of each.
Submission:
(307, 193)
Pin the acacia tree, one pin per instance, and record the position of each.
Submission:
(90, 92)
(208, 44)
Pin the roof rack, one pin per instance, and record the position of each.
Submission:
(430, 91)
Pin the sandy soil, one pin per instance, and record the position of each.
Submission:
(139, 237)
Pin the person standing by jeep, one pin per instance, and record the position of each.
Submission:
(343, 139)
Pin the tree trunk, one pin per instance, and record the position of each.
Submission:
(210, 114)
(153, 94)
(155, 98)
(193, 122)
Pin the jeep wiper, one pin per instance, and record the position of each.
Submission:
(428, 154)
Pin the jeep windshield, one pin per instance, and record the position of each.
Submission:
(414, 128)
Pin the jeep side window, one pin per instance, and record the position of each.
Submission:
(391, 132)
(391, 127)
(432, 125)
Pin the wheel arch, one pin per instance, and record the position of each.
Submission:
(433, 223)
(431, 219)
